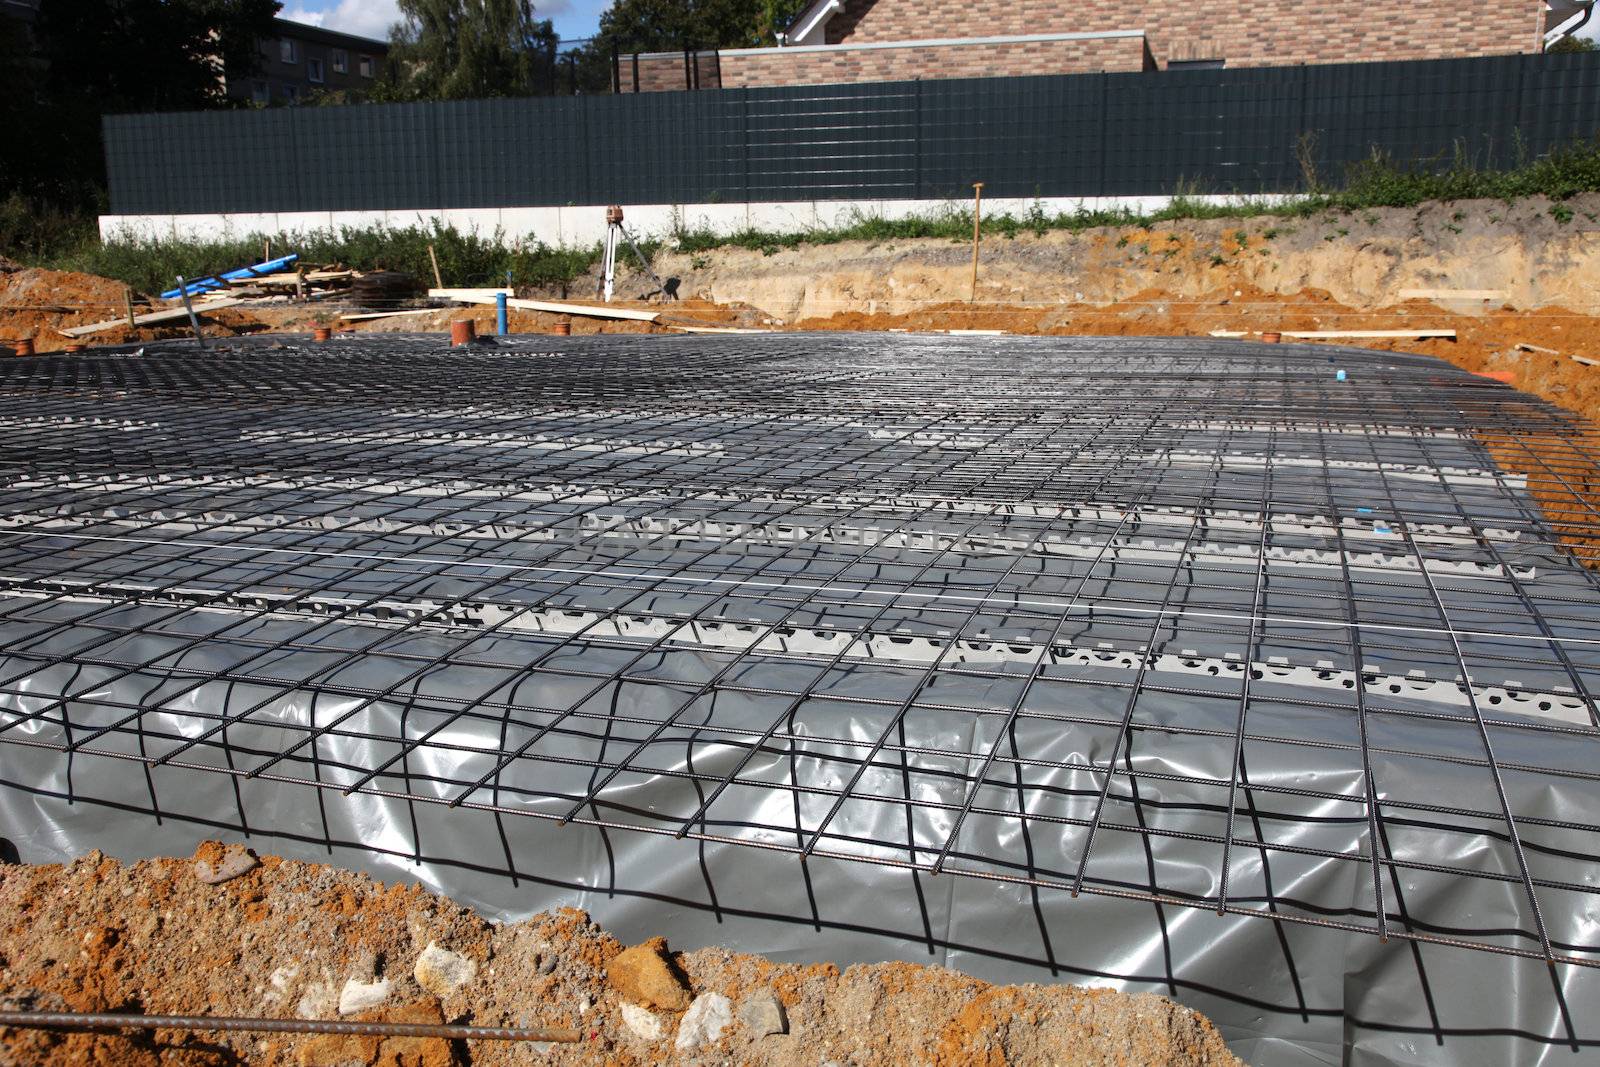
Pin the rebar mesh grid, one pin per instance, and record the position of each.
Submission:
(1184, 621)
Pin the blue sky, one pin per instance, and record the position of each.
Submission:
(372, 18)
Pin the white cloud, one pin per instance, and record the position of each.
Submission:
(365, 18)
(296, 13)
(372, 18)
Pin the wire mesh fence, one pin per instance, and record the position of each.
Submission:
(1187, 622)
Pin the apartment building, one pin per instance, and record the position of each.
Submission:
(301, 60)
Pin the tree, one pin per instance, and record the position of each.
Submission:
(465, 49)
(1572, 44)
(150, 55)
(668, 25)
(88, 58)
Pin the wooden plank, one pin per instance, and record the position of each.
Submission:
(711, 329)
(1311, 335)
(291, 279)
(456, 294)
(1452, 294)
(487, 296)
(1526, 347)
(170, 315)
(362, 316)
(1586, 361)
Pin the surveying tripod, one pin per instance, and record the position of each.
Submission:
(608, 272)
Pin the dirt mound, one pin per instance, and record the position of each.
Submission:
(1531, 254)
(287, 940)
(37, 303)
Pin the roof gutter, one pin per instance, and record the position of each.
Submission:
(812, 21)
(1570, 28)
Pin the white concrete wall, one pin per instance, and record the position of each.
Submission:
(580, 227)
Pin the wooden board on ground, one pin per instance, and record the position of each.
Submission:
(363, 316)
(1311, 335)
(711, 329)
(488, 296)
(152, 318)
(458, 294)
(1328, 335)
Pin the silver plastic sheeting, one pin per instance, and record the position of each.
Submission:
(1169, 665)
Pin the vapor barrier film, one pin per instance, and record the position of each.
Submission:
(1176, 665)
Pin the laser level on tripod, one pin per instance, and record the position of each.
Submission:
(616, 231)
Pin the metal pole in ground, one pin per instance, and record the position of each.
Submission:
(63, 1020)
(500, 324)
(977, 228)
(194, 320)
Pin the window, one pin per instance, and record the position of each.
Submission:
(367, 66)
(265, 47)
(1196, 64)
(291, 93)
(288, 51)
(314, 70)
(260, 92)
(341, 61)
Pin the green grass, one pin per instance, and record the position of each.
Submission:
(37, 235)
(1373, 183)
(465, 259)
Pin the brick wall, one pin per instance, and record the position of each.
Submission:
(1262, 33)
(800, 67)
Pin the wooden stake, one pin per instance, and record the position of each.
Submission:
(127, 300)
(977, 229)
(266, 250)
(438, 282)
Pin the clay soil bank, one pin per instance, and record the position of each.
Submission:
(296, 940)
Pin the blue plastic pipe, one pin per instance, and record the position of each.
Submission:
(500, 314)
(206, 285)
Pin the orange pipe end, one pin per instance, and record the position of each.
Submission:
(463, 331)
(1509, 377)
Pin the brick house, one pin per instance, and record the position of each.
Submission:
(299, 60)
(884, 40)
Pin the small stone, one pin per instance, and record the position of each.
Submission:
(234, 861)
(763, 1015)
(547, 963)
(643, 1022)
(442, 972)
(704, 1022)
(318, 1001)
(362, 996)
(645, 975)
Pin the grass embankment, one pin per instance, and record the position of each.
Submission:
(37, 236)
